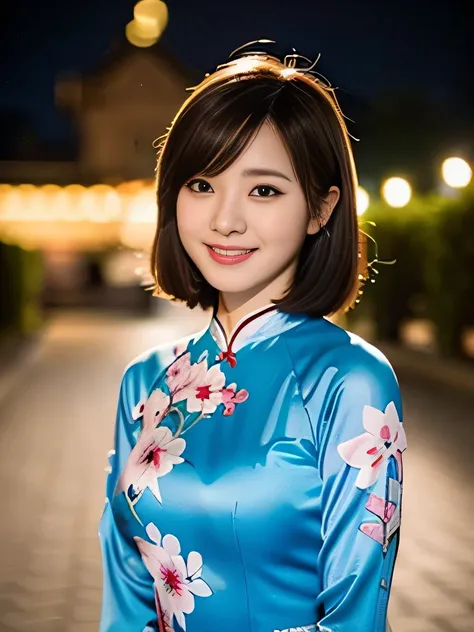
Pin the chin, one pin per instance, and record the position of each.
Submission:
(243, 284)
(231, 288)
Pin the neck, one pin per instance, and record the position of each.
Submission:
(229, 320)
(234, 305)
(230, 310)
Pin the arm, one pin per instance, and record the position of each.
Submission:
(360, 440)
(128, 600)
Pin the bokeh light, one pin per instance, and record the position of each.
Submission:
(150, 18)
(138, 36)
(51, 215)
(456, 172)
(151, 15)
(396, 192)
(362, 200)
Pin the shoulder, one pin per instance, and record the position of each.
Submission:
(348, 352)
(355, 356)
(345, 383)
(338, 361)
(362, 368)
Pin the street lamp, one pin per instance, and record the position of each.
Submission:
(456, 172)
(396, 192)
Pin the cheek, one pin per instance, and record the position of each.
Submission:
(285, 230)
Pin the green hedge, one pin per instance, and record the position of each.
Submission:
(450, 275)
(20, 290)
(432, 240)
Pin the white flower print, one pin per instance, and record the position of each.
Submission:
(155, 408)
(207, 395)
(137, 411)
(176, 582)
(154, 455)
(385, 437)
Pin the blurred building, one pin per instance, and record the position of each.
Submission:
(78, 212)
(121, 107)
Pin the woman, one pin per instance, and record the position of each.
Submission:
(256, 482)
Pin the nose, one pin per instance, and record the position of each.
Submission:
(228, 216)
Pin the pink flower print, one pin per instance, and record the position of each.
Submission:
(230, 398)
(388, 510)
(385, 437)
(155, 408)
(176, 582)
(206, 393)
(380, 507)
(374, 530)
(384, 510)
(155, 454)
(182, 377)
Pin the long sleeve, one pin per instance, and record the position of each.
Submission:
(128, 600)
(360, 441)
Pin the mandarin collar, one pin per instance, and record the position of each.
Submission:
(243, 329)
(259, 324)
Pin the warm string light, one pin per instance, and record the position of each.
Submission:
(51, 215)
(150, 18)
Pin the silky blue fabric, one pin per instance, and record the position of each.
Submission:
(256, 495)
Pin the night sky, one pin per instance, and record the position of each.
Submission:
(367, 47)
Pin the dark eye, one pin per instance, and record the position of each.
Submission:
(264, 190)
(199, 186)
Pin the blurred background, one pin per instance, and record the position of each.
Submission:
(85, 89)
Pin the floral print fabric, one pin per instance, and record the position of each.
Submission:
(176, 581)
(384, 437)
(194, 392)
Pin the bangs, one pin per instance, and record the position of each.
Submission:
(219, 125)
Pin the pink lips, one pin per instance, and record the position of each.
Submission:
(228, 259)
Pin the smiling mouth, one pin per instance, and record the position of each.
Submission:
(229, 257)
(232, 252)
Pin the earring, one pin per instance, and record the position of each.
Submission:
(326, 231)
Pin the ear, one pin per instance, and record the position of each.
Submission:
(329, 204)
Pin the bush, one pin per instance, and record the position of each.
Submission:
(450, 273)
(432, 240)
(399, 291)
(22, 280)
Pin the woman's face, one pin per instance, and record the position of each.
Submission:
(257, 204)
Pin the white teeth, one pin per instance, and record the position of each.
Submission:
(231, 252)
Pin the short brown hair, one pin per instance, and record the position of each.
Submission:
(210, 131)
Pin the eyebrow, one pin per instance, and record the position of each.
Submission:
(265, 172)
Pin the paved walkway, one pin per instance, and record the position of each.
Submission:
(56, 428)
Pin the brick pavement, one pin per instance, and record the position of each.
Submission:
(433, 588)
(56, 428)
